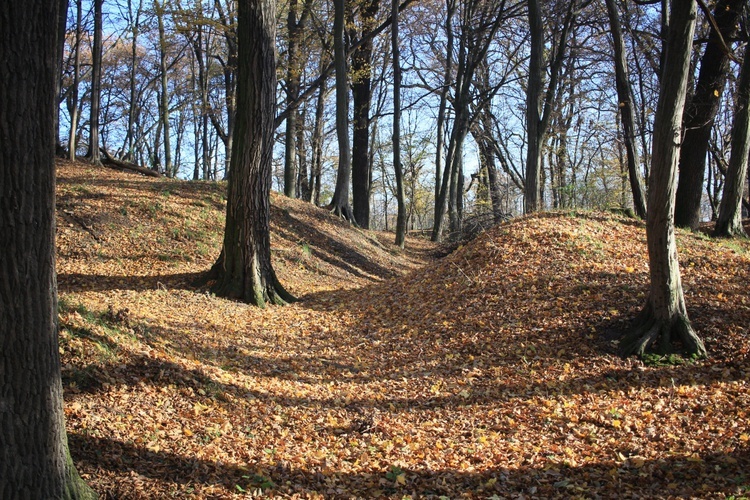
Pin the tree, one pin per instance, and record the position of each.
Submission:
(244, 269)
(664, 318)
(627, 111)
(701, 113)
(73, 102)
(96, 85)
(538, 106)
(362, 60)
(340, 202)
(163, 77)
(398, 169)
(730, 210)
(34, 457)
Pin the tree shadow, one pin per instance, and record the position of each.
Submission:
(336, 252)
(677, 476)
(78, 282)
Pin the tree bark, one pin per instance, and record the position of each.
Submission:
(164, 104)
(664, 319)
(74, 105)
(340, 202)
(700, 115)
(293, 74)
(317, 146)
(450, 8)
(729, 223)
(627, 113)
(34, 457)
(400, 195)
(134, 27)
(244, 267)
(96, 86)
(362, 101)
(532, 203)
(538, 106)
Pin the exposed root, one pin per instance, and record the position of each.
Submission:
(344, 211)
(663, 337)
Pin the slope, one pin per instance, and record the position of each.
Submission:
(486, 373)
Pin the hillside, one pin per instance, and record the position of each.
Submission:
(488, 372)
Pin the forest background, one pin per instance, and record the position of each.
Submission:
(168, 97)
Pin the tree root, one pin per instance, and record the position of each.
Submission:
(344, 211)
(649, 334)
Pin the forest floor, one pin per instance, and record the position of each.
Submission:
(489, 373)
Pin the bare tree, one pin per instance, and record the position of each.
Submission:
(244, 268)
(664, 318)
(730, 211)
(627, 111)
(700, 113)
(340, 202)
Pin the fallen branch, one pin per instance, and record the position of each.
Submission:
(111, 161)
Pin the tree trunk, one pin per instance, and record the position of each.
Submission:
(729, 223)
(664, 319)
(62, 24)
(317, 146)
(532, 203)
(244, 266)
(74, 104)
(340, 202)
(164, 116)
(441, 172)
(96, 86)
(135, 21)
(700, 115)
(34, 458)
(303, 182)
(627, 113)
(293, 75)
(362, 100)
(401, 217)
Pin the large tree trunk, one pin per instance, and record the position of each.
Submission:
(362, 100)
(701, 112)
(532, 202)
(244, 266)
(539, 104)
(340, 202)
(34, 457)
(96, 86)
(401, 217)
(627, 113)
(730, 211)
(664, 319)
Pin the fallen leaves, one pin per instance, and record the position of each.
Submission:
(485, 373)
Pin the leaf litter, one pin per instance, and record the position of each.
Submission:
(490, 373)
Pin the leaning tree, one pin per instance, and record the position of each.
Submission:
(664, 318)
(34, 457)
(243, 270)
